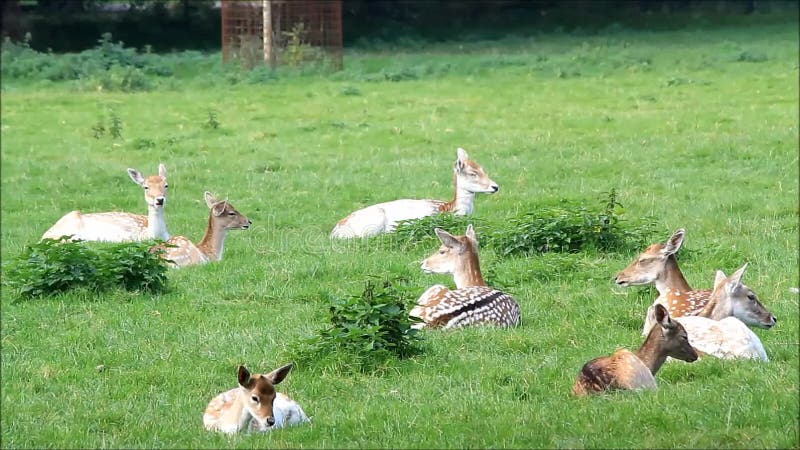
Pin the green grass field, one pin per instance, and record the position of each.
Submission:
(698, 128)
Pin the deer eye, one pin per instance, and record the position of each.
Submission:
(442, 252)
(146, 187)
(166, 186)
(751, 296)
(231, 213)
(254, 399)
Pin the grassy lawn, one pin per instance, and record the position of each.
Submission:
(697, 128)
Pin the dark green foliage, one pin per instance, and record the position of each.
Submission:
(66, 25)
(567, 227)
(108, 66)
(212, 121)
(116, 126)
(748, 56)
(57, 265)
(366, 331)
(260, 74)
(415, 231)
(571, 228)
(144, 144)
(350, 91)
(98, 129)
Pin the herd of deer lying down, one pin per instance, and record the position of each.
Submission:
(682, 323)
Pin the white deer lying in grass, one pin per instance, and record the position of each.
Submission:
(717, 329)
(254, 405)
(222, 217)
(469, 178)
(472, 302)
(120, 226)
(627, 370)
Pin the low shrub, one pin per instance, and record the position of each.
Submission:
(567, 227)
(571, 228)
(415, 231)
(109, 66)
(58, 265)
(367, 331)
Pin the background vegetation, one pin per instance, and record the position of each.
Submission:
(165, 25)
(694, 128)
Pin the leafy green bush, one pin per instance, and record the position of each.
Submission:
(366, 331)
(109, 66)
(571, 228)
(750, 56)
(567, 227)
(57, 265)
(415, 231)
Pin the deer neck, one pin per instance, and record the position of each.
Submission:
(213, 241)
(718, 307)
(651, 352)
(156, 225)
(672, 278)
(463, 201)
(236, 413)
(468, 272)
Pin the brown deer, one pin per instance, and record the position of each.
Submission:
(182, 252)
(469, 178)
(253, 405)
(658, 265)
(472, 302)
(627, 370)
(120, 226)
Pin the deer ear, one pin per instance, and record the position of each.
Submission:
(218, 208)
(210, 199)
(447, 239)
(736, 279)
(674, 242)
(277, 375)
(136, 176)
(471, 233)
(662, 317)
(244, 376)
(650, 318)
(162, 171)
(461, 161)
(719, 278)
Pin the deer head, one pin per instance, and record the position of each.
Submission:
(672, 337)
(224, 215)
(258, 394)
(458, 255)
(155, 186)
(471, 177)
(651, 265)
(453, 253)
(732, 298)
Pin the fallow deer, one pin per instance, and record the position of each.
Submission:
(222, 217)
(472, 302)
(254, 405)
(658, 265)
(720, 328)
(120, 226)
(469, 178)
(627, 370)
